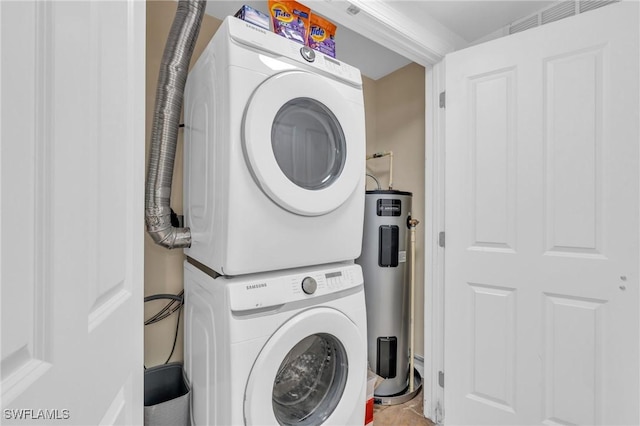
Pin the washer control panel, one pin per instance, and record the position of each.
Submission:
(278, 288)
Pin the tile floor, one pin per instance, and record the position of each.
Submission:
(407, 414)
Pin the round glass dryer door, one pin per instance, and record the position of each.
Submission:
(308, 143)
(304, 141)
(310, 372)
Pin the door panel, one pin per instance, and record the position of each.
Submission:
(542, 300)
(573, 119)
(492, 379)
(573, 326)
(24, 357)
(72, 177)
(493, 160)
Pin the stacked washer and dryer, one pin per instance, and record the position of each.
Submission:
(274, 196)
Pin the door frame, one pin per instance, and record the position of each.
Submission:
(434, 251)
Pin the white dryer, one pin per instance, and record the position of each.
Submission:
(274, 154)
(284, 348)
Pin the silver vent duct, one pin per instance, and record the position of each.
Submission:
(166, 119)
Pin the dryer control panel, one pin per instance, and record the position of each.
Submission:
(252, 36)
(279, 288)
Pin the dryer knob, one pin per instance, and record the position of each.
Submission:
(308, 54)
(309, 285)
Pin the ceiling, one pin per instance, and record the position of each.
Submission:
(469, 20)
(472, 20)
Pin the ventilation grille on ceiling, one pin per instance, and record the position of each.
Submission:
(562, 10)
(557, 12)
(524, 25)
(586, 5)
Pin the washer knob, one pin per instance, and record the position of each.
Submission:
(309, 285)
(308, 54)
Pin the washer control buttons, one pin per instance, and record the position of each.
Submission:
(309, 285)
(308, 54)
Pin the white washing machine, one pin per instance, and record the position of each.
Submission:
(274, 154)
(284, 347)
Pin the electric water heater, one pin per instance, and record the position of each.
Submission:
(386, 287)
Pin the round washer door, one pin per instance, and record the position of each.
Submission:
(310, 372)
(304, 142)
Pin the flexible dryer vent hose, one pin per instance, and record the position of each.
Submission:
(166, 117)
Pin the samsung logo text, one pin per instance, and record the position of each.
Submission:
(255, 286)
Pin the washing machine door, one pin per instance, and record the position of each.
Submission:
(304, 140)
(312, 371)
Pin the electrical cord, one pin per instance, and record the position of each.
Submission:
(169, 309)
(175, 337)
(176, 302)
(374, 178)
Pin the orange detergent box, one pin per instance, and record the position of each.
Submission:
(290, 19)
(321, 35)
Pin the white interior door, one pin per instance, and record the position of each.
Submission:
(72, 179)
(541, 269)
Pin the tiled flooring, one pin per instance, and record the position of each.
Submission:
(407, 414)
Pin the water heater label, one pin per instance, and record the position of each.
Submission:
(402, 256)
(386, 207)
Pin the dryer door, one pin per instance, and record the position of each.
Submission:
(311, 371)
(305, 141)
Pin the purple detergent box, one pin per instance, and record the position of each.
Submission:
(253, 16)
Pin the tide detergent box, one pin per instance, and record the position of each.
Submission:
(253, 16)
(321, 35)
(290, 19)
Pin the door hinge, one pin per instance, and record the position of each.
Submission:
(441, 239)
(443, 99)
(441, 379)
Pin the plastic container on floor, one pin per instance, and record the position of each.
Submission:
(166, 396)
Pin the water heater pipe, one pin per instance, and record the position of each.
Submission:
(412, 249)
(166, 120)
(385, 154)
